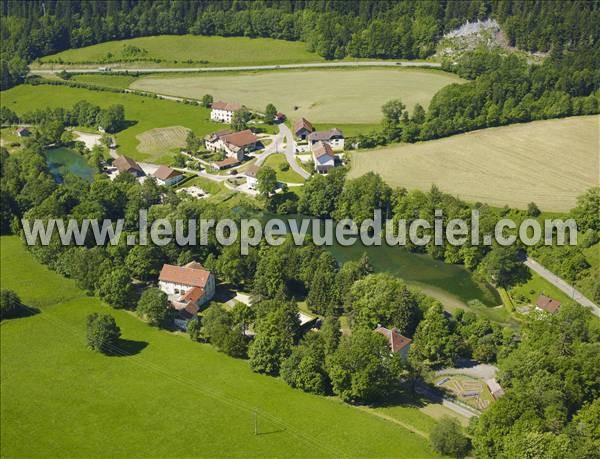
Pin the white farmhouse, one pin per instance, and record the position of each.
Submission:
(188, 287)
(223, 111)
(251, 174)
(166, 176)
(323, 157)
(333, 137)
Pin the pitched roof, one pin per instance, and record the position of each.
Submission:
(325, 135)
(125, 164)
(214, 136)
(495, 388)
(165, 173)
(230, 107)
(322, 149)
(547, 304)
(302, 123)
(252, 171)
(396, 340)
(241, 139)
(193, 294)
(193, 274)
(227, 162)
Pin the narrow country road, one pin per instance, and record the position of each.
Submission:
(283, 137)
(562, 285)
(246, 67)
(290, 150)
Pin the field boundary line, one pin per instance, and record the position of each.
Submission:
(392, 419)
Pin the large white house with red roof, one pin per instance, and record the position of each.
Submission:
(223, 111)
(188, 287)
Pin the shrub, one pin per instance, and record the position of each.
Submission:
(447, 438)
(102, 333)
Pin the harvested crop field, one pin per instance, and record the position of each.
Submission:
(548, 162)
(159, 140)
(322, 96)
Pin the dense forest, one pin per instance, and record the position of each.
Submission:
(333, 29)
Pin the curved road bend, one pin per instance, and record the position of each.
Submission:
(562, 285)
(284, 136)
(249, 67)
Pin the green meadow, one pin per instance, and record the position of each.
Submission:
(174, 50)
(142, 113)
(166, 396)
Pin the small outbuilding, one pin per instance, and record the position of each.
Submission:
(302, 128)
(547, 304)
(398, 343)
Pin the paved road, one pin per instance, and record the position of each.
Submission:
(283, 142)
(290, 151)
(249, 67)
(562, 284)
(273, 147)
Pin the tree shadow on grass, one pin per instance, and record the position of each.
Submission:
(128, 347)
(23, 312)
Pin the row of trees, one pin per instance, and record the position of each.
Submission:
(83, 113)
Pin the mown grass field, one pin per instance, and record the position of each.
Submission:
(61, 400)
(143, 113)
(158, 140)
(548, 162)
(345, 96)
(174, 50)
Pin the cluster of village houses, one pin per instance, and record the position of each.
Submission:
(236, 145)
(322, 145)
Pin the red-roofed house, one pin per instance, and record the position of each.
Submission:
(188, 287)
(223, 111)
(398, 343)
(167, 176)
(234, 144)
(545, 303)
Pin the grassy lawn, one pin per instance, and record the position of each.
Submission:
(274, 161)
(536, 286)
(111, 81)
(322, 96)
(61, 400)
(174, 50)
(549, 162)
(144, 113)
(10, 140)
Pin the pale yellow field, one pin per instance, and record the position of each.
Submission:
(322, 96)
(548, 162)
(161, 140)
